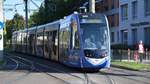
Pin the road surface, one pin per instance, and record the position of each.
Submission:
(23, 69)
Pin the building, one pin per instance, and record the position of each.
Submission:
(129, 20)
(134, 18)
(111, 9)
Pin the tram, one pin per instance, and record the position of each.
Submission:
(78, 40)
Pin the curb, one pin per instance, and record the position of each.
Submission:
(122, 67)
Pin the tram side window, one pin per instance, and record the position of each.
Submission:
(19, 39)
(76, 41)
(75, 36)
(25, 39)
(56, 39)
(65, 39)
(40, 39)
(53, 40)
(31, 38)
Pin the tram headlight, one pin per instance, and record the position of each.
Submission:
(103, 55)
(88, 55)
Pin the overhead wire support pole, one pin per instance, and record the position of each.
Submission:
(26, 16)
(26, 13)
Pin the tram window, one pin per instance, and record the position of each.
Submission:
(45, 38)
(40, 39)
(25, 40)
(76, 41)
(65, 39)
(75, 37)
(56, 40)
(30, 39)
(53, 39)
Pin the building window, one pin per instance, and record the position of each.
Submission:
(113, 21)
(147, 7)
(112, 37)
(124, 36)
(118, 36)
(116, 19)
(134, 36)
(134, 9)
(146, 36)
(113, 4)
(124, 12)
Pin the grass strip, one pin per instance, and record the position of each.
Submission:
(131, 65)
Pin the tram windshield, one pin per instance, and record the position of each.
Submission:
(94, 35)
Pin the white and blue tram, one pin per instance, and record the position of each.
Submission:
(78, 40)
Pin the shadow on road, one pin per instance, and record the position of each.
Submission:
(38, 64)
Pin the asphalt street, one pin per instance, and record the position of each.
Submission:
(23, 69)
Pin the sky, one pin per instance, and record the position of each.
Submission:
(10, 4)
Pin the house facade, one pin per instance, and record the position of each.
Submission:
(129, 20)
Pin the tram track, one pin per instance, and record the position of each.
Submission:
(45, 67)
(110, 80)
(19, 63)
(88, 80)
(129, 73)
(34, 68)
(122, 75)
(60, 73)
(14, 66)
(85, 79)
(129, 76)
(15, 61)
(107, 78)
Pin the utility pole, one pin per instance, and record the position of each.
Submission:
(92, 6)
(26, 12)
(1, 29)
(26, 15)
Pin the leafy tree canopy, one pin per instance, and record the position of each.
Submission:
(52, 10)
(15, 24)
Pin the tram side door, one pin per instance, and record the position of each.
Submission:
(54, 47)
(74, 43)
(64, 44)
(60, 45)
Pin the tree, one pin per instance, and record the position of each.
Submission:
(53, 10)
(17, 23)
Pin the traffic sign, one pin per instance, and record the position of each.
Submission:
(1, 25)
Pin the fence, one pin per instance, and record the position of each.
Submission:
(130, 55)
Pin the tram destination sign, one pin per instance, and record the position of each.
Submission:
(87, 20)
